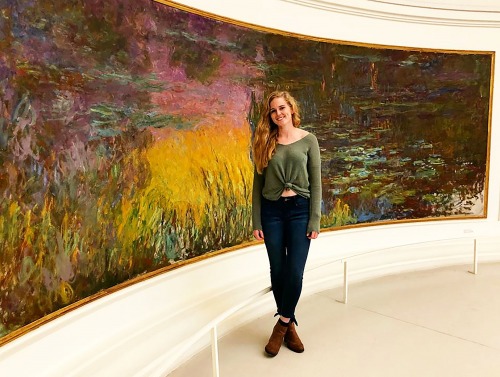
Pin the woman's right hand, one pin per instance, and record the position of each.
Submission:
(258, 234)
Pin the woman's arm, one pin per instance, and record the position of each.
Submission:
(258, 184)
(314, 171)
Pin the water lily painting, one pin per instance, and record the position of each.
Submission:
(125, 131)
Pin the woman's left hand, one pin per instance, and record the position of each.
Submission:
(313, 235)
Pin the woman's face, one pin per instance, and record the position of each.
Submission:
(281, 112)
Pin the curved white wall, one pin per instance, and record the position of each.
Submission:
(149, 328)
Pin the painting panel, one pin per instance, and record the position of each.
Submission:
(125, 133)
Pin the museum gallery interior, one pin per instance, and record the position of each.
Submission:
(126, 131)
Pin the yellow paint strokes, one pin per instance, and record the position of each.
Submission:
(194, 169)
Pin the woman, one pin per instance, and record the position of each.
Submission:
(286, 206)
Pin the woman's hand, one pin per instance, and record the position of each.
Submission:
(258, 234)
(313, 235)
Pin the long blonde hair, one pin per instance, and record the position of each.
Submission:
(266, 132)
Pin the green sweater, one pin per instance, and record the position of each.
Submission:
(296, 166)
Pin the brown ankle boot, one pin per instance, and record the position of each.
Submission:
(292, 339)
(276, 339)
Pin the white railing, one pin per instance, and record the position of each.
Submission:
(213, 325)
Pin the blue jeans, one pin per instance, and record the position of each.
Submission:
(284, 223)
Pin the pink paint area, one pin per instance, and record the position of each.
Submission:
(224, 98)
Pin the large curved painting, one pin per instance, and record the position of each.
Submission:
(125, 129)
